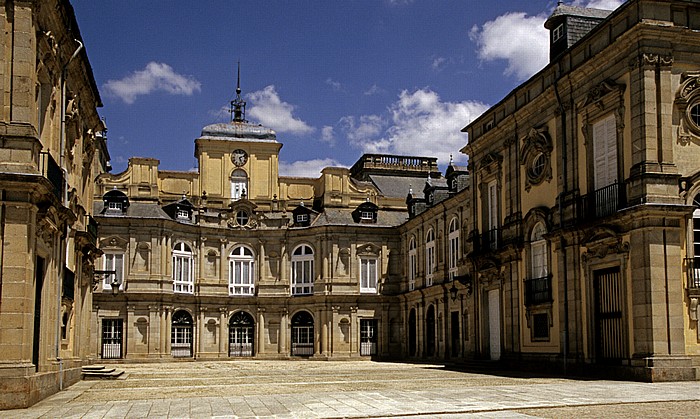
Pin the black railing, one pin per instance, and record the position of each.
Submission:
(538, 290)
(693, 273)
(602, 202)
(52, 171)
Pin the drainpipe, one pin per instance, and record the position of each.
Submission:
(562, 241)
(62, 163)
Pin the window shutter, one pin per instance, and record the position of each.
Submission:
(604, 152)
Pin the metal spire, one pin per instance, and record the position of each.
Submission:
(238, 104)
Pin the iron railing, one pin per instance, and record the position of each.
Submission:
(52, 171)
(538, 290)
(693, 273)
(602, 202)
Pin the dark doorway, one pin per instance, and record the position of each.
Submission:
(38, 287)
(430, 331)
(368, 337)
(412, 346)
(302, 334)
(609, 326)
(181, 335)
(454, 333)
(112, 338)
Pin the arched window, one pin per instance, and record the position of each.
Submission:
(181, 334)
(429, 257)
(302, 334)
(538, 252)
(412, 264)
(241, 335)
(303, 270)
(453, 238)
(183, 271)
(241, 271)
(239, 184)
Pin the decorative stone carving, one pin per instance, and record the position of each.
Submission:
(687, 100)
(536, 156)
(604, 242)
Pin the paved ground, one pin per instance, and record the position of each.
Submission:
(315, 389)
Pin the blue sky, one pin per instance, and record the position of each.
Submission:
(335, 79)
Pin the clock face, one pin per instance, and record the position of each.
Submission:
(239, 157)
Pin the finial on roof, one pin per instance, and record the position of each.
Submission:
(238, 104)
(410, 190)
(450, 159)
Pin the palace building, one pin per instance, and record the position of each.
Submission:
(52, 147)
(567, 243)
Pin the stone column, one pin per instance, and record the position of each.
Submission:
(223, 336)
(332, 325)
(261, 330)
(129, 323)
(282, 346)
(354, 335)
(154, 330)
(324, 332)
(384, 329)
(168, 329)
(200, 331)
(223, 258)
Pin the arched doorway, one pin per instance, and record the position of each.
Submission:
(412, 333)
(302, 334)
(241, 334)
(430, 331)
(181, 335)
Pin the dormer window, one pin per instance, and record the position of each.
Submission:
(365, 213)
(183, 214)
(558, 33)
(302, 218)
(115, 202)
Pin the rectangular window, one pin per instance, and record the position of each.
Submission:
(302, 277)
(539, 259)
(183, 214)
(368, 275)
(540, 326)
(113, 262)
(182, 274)
(302, 218)
(429, 263)
(412, 269)
(605, 152)
(557, 33)
(114, 206)
(491, 234)
(367, 215)
(241, 277)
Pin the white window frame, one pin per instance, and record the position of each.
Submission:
(604, 152)
(367, 215)
(558, 32)
(239, 184)
(183, 269)
(113, 261)
(453, 241)
(302, 277)
(412, 264)
(241, 271)
(538, 252)
(114, 206)
(302, 218)
(369, 273)
(183, 214)
(429, 257)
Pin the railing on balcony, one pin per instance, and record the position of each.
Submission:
(491, 239)
(602, 202)
(538, 290)
(52, 171)
(693, 266)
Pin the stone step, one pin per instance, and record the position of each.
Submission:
(97, 372)
(93, 367)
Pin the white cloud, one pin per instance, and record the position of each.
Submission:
(327, 135)
(364, 129)
(268, 109)
(155, 77)
(307, 168)
(420, 125)
(439, 63)
(519, 39)
(600, 4)
(334, 84)
(373, 90)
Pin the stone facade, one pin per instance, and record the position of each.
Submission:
(51, 149)
(584, 183)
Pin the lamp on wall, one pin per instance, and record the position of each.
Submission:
(465, 280)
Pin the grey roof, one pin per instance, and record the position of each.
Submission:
(337, 216)
(135, 210)
(563, 10)
(238, 130)
(397, 186)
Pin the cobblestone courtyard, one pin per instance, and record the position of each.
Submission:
(311, 389)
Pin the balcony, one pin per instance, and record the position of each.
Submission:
(92, 230)
(602, 202)
(52, 171)
(538, 290)
(693, 274)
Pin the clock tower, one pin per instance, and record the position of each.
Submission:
(238, 160)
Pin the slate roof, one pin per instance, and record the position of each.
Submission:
(135, 210)
(397, 186)
(563, 10)
(335, 217)
(235, 130)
